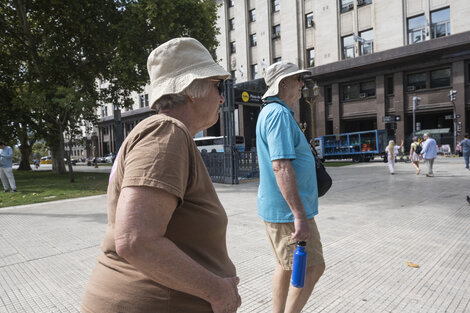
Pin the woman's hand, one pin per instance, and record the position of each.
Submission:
(228, 300)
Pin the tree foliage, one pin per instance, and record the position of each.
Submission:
(53, 54)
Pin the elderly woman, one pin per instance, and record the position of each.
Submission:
(164, 249)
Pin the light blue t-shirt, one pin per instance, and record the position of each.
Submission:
(6, 156)
(279, 137)
(465, 146)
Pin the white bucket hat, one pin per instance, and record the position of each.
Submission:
(277, 72)
(174, 65)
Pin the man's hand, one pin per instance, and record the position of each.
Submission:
(302, 230)
(229, 300)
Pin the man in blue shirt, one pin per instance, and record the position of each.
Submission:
(429, 153)
(465, 144)
(287, 194)
(6, 172)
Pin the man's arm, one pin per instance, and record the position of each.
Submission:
(286, 180)
(142, 216)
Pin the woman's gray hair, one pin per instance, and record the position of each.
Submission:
(415, 138)
(197, 89)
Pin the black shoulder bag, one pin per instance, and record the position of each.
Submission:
(324, 180)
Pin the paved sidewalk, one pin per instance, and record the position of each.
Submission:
(371, 224)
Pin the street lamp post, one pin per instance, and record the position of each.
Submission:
(310, 94)
(452, 97)
(415, 106)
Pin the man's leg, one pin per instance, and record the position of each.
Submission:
(281, 282)
(298, 297)
(431, 163)
(4, 179)
(466, 157)
(11, 178)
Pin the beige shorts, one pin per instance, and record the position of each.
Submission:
(279, 235)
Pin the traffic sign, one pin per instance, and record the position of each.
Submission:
(397, 118)
(457, 116)
(448, 117)
(387, 119)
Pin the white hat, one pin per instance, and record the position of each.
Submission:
(174, 65)
(277, 72)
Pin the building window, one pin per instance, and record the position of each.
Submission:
(252, 14)
(231, 3)
(440, 78)
(348, 47)
(254, 71)
(276, 31)
(253, 41)
(146, 100)
(440, 23)
(367, 89)
(231, 24)
(355, 91)
(309, 20)
(277, 59)
(366, 43)
(310, 57)
(363, 2)
(275, 5)
(347, 5)
(389, 85)
(416, 81)
(328, 95)
(350, 92)
(416, 29)
(233, 48)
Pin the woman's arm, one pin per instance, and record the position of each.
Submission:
(142, 216)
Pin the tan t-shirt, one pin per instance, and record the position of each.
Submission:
(161, 153)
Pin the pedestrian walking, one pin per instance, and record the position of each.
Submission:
(429, 153)
(392, 152)
(6, 168)
(415, 150)
(288, 192)
(465, 146)
(165, 245)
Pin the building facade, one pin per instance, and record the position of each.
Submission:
(370, 58)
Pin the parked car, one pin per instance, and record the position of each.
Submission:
(74, 162)
(110, 158)
(46, 160)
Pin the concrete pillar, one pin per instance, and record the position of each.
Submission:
(399, 105)
(458, 83)
(336, 109)
(320, 116)
(380, 99)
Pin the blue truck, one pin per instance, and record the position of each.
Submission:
(360, 146)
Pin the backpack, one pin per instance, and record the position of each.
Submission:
(418, 148)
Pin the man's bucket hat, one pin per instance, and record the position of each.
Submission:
(277, 72)
(174, 65)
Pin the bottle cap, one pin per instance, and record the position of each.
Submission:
(301, 243)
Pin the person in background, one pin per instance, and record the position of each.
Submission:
(429, 153)
(165, 245)
(6, 170)
(392, 152)
(288, 192)
(465, 146)
(415, 149)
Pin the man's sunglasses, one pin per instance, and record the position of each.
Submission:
(220, 85)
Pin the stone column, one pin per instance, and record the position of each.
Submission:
(380, 100)
(336, 109)
(458, 83)
(399, 105)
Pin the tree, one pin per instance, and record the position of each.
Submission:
(52, 53)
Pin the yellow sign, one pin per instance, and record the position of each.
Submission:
(245, 96)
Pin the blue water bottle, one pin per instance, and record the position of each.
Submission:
(299, 265)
